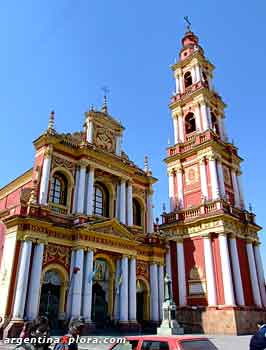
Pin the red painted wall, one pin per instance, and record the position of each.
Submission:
(194, 257)
(218, 271)
(244, 270)
(174, 272)
(13, 198)
(2, 240)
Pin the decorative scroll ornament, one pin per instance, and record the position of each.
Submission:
(104, 139)
(142, 269)
(56, 254)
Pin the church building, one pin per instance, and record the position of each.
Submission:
(77, 233)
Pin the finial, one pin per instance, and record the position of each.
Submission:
(146, 164)
(104, 107)
(188, 23)
(50, 128)
(164, 208)
(250, 207)
(168, 142)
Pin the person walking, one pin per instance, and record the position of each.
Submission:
(258, 340)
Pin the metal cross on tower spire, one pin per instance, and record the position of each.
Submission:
(188, 23)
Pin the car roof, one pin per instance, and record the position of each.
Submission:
(166, 338)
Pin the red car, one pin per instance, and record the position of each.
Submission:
(153, 342)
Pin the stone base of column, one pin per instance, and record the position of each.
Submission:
(220, 320)
(13, 329)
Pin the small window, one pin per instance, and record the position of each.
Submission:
(215, 124)
(136, 213)
(204, 78)
(198, 345)
(190, 123)
(154, 345)
(188, 79)
(58, 191)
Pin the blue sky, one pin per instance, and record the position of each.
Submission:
(58, 55)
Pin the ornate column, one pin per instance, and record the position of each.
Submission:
(150, 223)
(177, 84)
(154, 292)
(132, 290)
(117, 290)
(81, 190)
(70, 287)
(197, 116)
(182, 285)
(203, 178)
(235, 188)
(236, 272)
(181, 84)
(77, 284)
(22, 280)
(118, 145)
(35, 282)
(198, 73)
(124, 290)
(90, 191)
(253, 274)
(181, 127)
(180, 193)
(168, 265)
(87, 287)
(171, 189)
(117, 207)
(214, 177)
(161, 290)
(193, 74)
(204, 115)
(240, 189)
(226, 271)
(260, 271)
(46, 169)
(176, 128)
(129, 204)
(209, 268)
(221, 177)
(75, 201)
(122, 208)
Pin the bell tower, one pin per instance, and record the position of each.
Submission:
(213, 240)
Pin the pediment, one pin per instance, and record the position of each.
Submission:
(111, 227)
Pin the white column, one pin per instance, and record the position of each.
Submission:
(70, 287)
(150, 223)
(117, 290)
(171, 190)
(22, 280)
(181, 85)
(221, 178)
(46, 168)
(129, 204)
(226, 271)
(214, 178)
(180, 194)
(177, 84)
(90, 191)
(77, 284)
(75, 201)
(132, 290)
(182, 285)
(118, 145)
(154, 298)
(35, 282)
(203, 178)
(181, 128)
(197, 116)
(124, 290)
(236, 273)
(198, 75)
(161, 290)
(87, 286)
(117, 207)
(204, 116)
(81, 191)
(168, 265)
(90, 131)
(209, 268)
(260, 271)
(253, 275)
(240, 190)
(176, 127)
(235, 188)
(122, 216)
(193, 74)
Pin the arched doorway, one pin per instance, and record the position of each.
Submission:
(99, 305)
(143, 301)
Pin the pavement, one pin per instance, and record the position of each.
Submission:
(221, 342)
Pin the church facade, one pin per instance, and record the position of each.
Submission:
(77, 233)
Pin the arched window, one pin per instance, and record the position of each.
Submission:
(58, 191)
(205, 79)
(215, 124)
(190, 123)
(101, 200)
(187, 79)
(136, 213)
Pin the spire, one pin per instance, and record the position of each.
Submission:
(51, 129)
(146, 166)
(104, 106)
